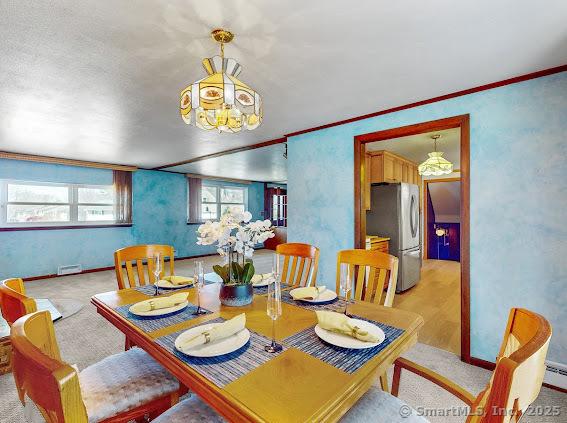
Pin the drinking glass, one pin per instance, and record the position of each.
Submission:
(199, 283)
(276, 267)
(346, 283)
(274, 310)
(157, 272)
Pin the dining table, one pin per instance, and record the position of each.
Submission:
(307, 381)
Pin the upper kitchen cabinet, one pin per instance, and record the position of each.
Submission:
(389, 167)
(383, 166)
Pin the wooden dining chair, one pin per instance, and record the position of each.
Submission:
(120, 388)
(370, 271)
(304, 258)
(138, 260)
(13, 304)
(514, 385)
(13, 300)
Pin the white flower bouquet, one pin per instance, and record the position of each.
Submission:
(235, 233)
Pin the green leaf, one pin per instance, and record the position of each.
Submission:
(248, 272)
(236, 272)
(222, 271)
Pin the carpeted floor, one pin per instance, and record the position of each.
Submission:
(85, 338)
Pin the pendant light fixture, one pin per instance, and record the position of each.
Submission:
(220, 101)
(436, 164)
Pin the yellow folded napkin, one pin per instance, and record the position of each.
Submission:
(159, 303)
(307, 293)
(178, 280)
(341, 323)
(258, 278)
(224, 330)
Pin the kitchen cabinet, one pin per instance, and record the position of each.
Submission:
(384, 166)
(378, 243)
(389, 167)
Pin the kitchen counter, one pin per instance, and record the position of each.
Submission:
(376, 238)
(378, 243)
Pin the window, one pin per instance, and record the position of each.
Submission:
(217, 200)
(275, 205)
(49, 204)
(279, 210)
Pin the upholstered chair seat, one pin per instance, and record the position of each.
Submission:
(378, 406)
(122, 382)
(191, 410)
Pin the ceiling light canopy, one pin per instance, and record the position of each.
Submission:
(436, 164)
(220, 101)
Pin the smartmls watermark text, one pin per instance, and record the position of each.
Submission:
(538, 410)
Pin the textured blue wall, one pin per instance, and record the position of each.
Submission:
(518, 200)
(159, 216)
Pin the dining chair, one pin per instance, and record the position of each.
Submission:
(514, 385)
(120, 388)
(134, 257)
(13, 300)
(190, 410)
(307, 256)
(13, 304)
(370, 270)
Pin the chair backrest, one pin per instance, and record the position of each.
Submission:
(134, 257)
(520, 367)
(13, 300)
(370, 270)
(50, 383)
(304, 273)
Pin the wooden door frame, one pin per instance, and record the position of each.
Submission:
(425, 194)
(462, 122)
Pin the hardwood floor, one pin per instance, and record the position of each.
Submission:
(437, 297)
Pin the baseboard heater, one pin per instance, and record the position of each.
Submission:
(556, 374)
(69, 269)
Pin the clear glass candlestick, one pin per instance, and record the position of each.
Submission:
(157, 272)
(274, 311)
(199, 283)
(346, 283)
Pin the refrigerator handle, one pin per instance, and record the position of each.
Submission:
(413, 218)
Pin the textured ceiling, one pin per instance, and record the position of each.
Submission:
(99, 80)
(266, 164)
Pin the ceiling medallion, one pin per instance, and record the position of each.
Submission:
(436, 164)
(220, 101)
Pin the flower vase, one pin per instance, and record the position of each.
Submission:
(235, 293)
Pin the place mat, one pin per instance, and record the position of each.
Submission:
(263, 290)
(338, 304)
(226, 368)
(150, 289)
(149, 324)
(345, 359)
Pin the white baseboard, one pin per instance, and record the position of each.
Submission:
(556, 374)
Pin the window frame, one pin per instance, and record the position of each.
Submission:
(73, 204)
(219, 203)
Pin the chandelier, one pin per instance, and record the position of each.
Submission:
(220, 101)
(436, 164)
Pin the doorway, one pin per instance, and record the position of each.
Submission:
(441, 221)
(361, 201)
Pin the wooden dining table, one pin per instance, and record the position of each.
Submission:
(293, 386)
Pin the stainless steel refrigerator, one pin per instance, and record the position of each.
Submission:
(394, 213)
